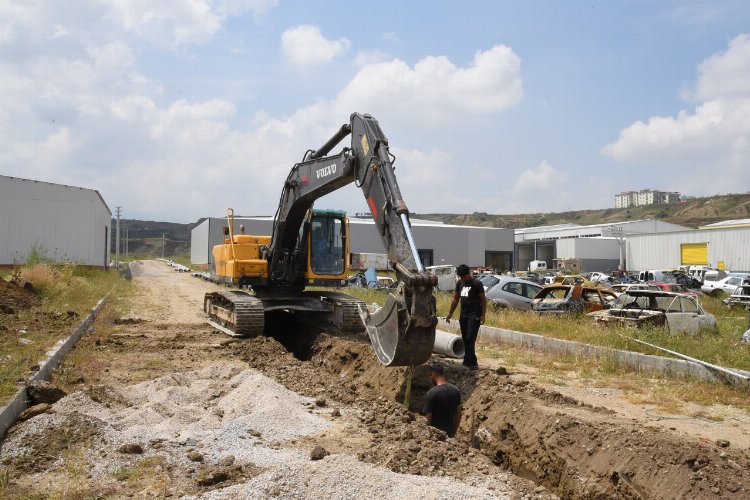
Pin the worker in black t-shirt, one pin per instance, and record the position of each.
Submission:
(442, 403)
(470, 292)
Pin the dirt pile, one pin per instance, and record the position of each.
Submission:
(573, 449)
(14, 298)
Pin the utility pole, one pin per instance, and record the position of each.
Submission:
(162, 245)
(126, 243)
(117, 239)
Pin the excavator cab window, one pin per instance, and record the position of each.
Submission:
(327, 245)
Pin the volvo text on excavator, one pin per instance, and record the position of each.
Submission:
(310, 247)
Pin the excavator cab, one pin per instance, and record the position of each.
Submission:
(328, 248)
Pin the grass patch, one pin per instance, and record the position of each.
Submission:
(723, 348)
(62, 288)
(149, 473)
(667, 393)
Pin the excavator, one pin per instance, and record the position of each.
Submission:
(310, 247)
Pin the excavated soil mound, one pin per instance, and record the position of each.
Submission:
(572, 449)
(14, 298)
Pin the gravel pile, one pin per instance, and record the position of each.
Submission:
(238, 428)
(343, 477)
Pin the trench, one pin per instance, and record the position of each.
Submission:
(572, 449)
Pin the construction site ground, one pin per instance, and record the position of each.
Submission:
(161, 405)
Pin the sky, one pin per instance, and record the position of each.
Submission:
(178, 109)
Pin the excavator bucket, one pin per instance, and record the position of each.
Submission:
(399, 338)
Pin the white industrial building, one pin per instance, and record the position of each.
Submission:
(437, 243)
(600, 247)
(56, 221)
(725, 248)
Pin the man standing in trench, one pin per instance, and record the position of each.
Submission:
(442, 403)
(470, 292)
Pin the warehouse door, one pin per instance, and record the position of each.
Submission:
(425, 255)
(694, 254)
(501, 261)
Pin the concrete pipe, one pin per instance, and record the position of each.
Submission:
(448, 344)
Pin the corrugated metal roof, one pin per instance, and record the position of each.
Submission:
(62, 185)
(727, 224)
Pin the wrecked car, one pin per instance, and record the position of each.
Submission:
(678, 312)
(726, 285)
(571, 299)
(740, 297)
(624, 287)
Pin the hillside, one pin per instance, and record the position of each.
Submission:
(691, 213)
(144, 238)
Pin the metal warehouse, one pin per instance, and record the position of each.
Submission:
(598, 246)
(724, 248)
(437, 243)
(59, 222)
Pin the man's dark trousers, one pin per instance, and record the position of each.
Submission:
(469, 332)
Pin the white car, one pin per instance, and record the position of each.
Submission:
(597, 277)
(726, 285)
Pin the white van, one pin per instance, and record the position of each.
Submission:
(446, 276)
(655, 275)
(699, 273)
(537, 265)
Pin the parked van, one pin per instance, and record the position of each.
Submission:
(537, 265)
(655, 275)
(446, 276)
(699, 273)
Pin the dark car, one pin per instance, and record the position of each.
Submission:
(572, 299)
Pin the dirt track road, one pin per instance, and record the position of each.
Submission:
(161, 405)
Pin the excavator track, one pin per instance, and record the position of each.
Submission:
(235, 313)
(345, 318)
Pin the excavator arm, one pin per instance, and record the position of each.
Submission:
(402, 332)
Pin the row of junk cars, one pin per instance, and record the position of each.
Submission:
(667, 298)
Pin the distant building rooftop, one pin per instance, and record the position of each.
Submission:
(727, 224)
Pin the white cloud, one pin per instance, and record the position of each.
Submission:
(76, 109)
(305, 46)
(435, 90)
(365, 57)
(709, 144)
(169, 22)
(545, 178)
(726, 75)
(258, 8)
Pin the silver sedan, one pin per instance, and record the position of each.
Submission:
(511, 292)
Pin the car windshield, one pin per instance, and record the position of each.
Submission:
(554, 294)
(489, 280)
(665, 303)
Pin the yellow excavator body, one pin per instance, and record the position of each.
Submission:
(241, 256)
